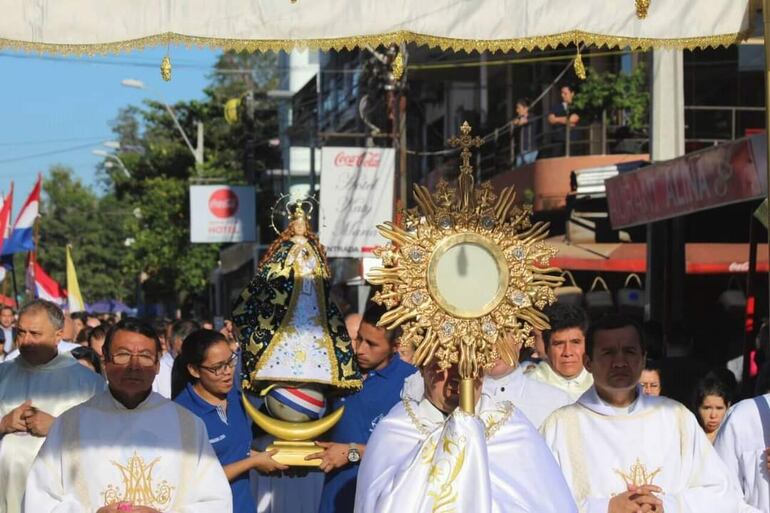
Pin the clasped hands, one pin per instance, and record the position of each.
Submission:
(637, 499)
(26, 418)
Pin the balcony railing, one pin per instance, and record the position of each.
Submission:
(510, 147)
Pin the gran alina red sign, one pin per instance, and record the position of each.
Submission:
(728, 173)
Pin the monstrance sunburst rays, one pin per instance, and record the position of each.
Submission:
(475, 211)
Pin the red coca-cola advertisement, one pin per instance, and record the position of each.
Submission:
(223, 203)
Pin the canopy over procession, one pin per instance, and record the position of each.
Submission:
(400, 337)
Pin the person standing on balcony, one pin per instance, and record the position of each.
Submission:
(523, 134)
(559, 116)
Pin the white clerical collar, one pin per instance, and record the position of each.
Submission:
(591, 400)
(580, 378)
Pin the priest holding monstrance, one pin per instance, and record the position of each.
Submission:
(466, 268)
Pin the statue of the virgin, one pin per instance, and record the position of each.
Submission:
(292, 336)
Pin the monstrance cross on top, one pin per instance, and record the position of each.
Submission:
(465, 180)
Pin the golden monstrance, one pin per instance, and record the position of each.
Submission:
(466, 268)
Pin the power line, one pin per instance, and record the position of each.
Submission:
(54, 141)
(46, 153)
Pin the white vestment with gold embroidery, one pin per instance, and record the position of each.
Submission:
(53, 387)
(156, 455)
(493, 462)
(656, 440)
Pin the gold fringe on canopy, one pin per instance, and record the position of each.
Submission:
(362, 41)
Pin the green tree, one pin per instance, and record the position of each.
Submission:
(72, 213)
(172, 268)
(624, 96)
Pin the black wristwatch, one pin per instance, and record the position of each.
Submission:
(354, 455)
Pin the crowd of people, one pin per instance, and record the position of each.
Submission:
(100, 414)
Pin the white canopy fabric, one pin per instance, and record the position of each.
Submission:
(103, 26)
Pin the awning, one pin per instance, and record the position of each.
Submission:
(701, 258)
(95, 26)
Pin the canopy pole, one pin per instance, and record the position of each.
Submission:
(766, 19)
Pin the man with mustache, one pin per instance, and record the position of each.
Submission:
(622, 451)
(35, 388)
(128, 449)
(427, 455)
(564, 348)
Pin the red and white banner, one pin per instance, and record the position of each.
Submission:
(356, 195)
(222, 213)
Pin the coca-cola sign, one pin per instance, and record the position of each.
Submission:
(223, 203)
(356, 196)
(370, 159)
(222, 213)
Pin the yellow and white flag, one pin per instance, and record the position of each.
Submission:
(74, 299)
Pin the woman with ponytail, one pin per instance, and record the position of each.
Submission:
(202, 382)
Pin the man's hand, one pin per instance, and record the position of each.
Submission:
(638, 499)
(13, 422)
(263, 462)
(333, 456)
(38, 422)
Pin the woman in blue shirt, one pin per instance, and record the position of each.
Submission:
(202, 382)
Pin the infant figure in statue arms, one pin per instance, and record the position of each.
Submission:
(294, 344)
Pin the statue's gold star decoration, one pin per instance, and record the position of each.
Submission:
(434, 332)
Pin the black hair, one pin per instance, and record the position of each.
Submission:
(567, 85)
(96, 333)
(6, 307)
(654, 366)
(160, 324)
(372, 315)
(710, 384)
(83, 336)
(562, 316)
(133, 325)
(194, 349)
(522, 101)
(80, 316)
(86, 353)
(613, 322)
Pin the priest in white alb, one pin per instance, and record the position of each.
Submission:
(564, 343)
(537, 400)
(427, 455)
(128, 449)
(623, 451)
(35, 388)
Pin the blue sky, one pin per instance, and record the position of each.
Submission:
(62, 106)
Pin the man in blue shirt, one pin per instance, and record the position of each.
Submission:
(384, 374)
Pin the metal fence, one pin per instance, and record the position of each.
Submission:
(510, 147)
